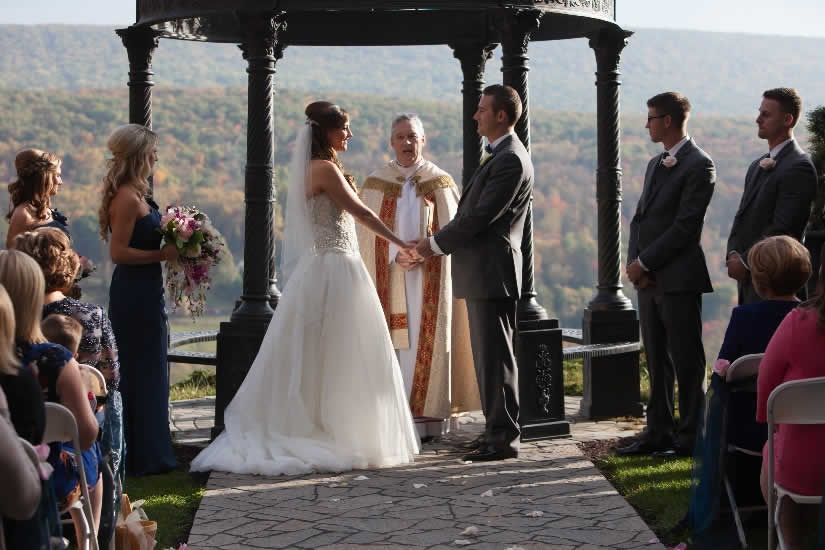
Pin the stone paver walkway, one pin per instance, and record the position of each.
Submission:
(550, 497)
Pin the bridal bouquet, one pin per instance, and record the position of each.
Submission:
(87, 267)
(199, 245)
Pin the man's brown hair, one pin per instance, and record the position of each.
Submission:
(674, 104)
(505, 99)
(788, 99)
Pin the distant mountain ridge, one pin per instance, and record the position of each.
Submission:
(722, 73)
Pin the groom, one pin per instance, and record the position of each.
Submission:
(484, 240)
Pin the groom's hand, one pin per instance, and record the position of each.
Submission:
(422, 248)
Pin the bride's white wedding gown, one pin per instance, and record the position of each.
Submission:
(325, 392)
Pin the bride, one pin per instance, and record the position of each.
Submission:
(325, 392)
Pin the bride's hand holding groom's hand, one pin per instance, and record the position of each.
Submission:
(407, 258)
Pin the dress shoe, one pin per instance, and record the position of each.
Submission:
(673, 452)
(642, 447)
(475, 444)
(488, 455)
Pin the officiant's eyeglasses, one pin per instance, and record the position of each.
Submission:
(649, 118)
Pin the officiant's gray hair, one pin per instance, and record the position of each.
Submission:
(414, 120)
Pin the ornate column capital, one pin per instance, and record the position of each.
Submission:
(607, 46)
(140, 43)
(473, 57)
(515, 28)
(263, 36)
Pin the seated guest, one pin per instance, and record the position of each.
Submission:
(57, 371)
(20, 490)
(65, 331)
(23, 415)
(51, 249)
(780, 266)
(38, 180)
(796, 351)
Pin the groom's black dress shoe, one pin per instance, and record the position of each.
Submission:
(642, 447)
(673, 452)
(488, 455)
(475, 444)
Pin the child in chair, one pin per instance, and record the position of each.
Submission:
(65, 331)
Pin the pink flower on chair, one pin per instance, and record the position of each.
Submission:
(721, 367)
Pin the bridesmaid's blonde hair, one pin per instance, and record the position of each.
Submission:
(8, 359)
(131, 146)
(24, 282)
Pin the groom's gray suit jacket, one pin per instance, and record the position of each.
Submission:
(484, 237)
(666, 230)
(774, 202)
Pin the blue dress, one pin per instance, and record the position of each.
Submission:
(59, 221)
(138, 315)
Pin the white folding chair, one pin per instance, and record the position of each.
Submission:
(739, 371)
(61, 426)
(98, 376)
(794, 402)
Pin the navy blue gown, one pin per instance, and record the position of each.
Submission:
(138, 315)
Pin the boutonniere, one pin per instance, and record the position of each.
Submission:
(669, 161)
(767, 163)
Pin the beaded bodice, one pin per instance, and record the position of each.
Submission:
(332, 227)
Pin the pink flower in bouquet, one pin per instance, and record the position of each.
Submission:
(167, 217)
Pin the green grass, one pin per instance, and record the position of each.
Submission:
(171, 500)
(658, 488)
(199, 383)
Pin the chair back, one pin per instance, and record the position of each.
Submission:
(798, 402)
(794, 402)
(744, 367)
(98, 383)
(61, 426)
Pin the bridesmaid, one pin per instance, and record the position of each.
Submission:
(136, 305)
(38, 180)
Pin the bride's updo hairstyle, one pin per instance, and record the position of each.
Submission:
(36, 179)
(131, 145)
(324, 116)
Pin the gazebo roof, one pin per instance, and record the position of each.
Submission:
(374, 23)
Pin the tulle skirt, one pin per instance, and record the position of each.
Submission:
(325, 392)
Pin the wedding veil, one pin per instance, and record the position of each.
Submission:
(298, 240)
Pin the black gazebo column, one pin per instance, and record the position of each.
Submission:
(140, 43)
(473, 58)
(611, 384)
(240, 338)
(541, 385)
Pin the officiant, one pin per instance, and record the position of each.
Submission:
(428, 326)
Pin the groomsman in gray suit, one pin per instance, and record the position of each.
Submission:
(484, 239)
(779, 188)
(667, 266)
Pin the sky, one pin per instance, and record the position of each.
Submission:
(797, 18)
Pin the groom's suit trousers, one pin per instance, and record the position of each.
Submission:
(492, 334)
